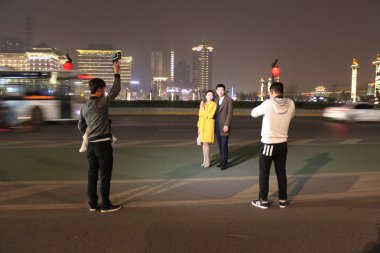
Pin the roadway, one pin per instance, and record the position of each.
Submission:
(171, 204)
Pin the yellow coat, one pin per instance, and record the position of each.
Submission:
(206, 122)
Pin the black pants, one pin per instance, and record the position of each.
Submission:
(276, 153)
(100, 158)
(223, 145)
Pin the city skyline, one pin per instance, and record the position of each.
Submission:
(315, 42)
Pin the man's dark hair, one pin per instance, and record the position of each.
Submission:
(221, 85)
(277, 87)
(95, 84)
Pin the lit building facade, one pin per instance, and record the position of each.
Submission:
(41, 57)
(202, 67)
(17, 61)
(371, 89)
(162, 70)
(377, 79)
(98, 64)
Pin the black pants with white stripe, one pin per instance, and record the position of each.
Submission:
(276, 153)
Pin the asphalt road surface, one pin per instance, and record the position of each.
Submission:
(171, 204)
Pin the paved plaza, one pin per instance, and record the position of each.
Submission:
(171, 204)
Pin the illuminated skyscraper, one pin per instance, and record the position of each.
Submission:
(202, 67)
(96, 61)
(162, 69)
(377, 78)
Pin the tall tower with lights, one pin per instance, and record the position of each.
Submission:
(377, 78)
(268, 85)
(262, 87)
(354, 79)
(162, 69)
(202, 67)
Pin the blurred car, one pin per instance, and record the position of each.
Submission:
(353, 112)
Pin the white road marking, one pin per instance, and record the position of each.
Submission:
(351, 141)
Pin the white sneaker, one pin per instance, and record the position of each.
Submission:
(263, 204)
(282, 203)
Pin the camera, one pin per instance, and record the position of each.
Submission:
(116, 57)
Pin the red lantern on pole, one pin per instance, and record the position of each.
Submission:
(276, 71)
(68, 65)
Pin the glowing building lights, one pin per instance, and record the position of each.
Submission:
(30, 61)
(162, 69)
(377, 78)
(202, 67)
(98, 64)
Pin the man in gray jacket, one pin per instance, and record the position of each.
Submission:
(94, 116)
(277, 111)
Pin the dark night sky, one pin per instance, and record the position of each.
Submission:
(314, 41)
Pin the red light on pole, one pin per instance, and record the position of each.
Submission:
(68, 65)
(276, 71)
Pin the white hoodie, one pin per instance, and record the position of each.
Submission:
(277, 115)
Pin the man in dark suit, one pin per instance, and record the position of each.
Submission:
(223, 117)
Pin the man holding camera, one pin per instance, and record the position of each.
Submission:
(94, 116)
(277, 111)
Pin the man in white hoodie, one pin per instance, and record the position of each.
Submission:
(277, 111)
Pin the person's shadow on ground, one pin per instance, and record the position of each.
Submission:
(238, 155)
(373, 247)
(311, 167)
(186, 171)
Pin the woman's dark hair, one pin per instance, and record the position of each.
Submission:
(209, 91)
(95, 84)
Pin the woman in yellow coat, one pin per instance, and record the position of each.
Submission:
(206, 126)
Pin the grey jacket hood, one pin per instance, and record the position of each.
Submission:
(280, 105)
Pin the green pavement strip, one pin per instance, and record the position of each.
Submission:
(24, 164)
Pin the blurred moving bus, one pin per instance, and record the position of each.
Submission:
(39, 96)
